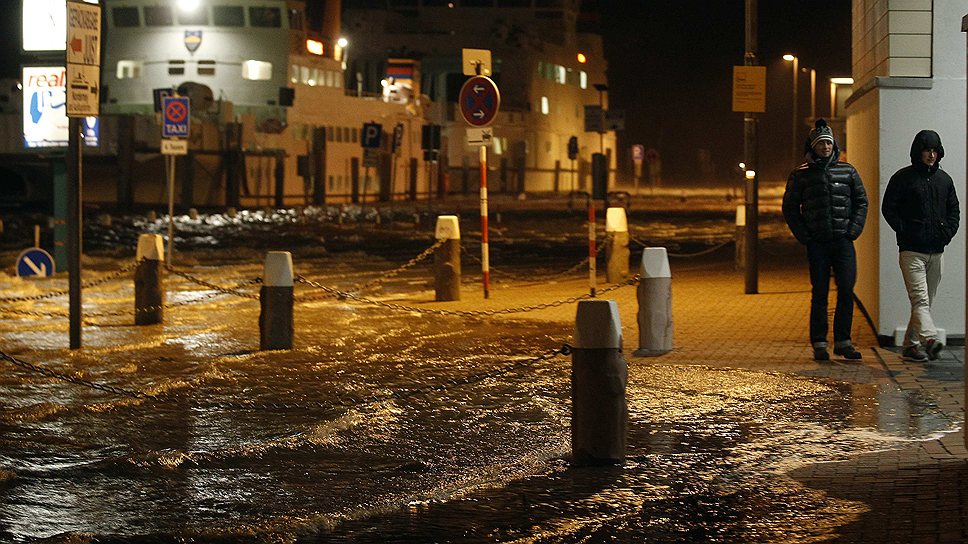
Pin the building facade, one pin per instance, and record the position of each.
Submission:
(909, 67)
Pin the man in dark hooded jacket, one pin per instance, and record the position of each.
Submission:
(825, 206)
(921, 205)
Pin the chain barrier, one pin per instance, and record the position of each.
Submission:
(685, 255)
(462, 313)
(532, 278)
(220, 289)
(59, 292)
(338, 402)
(384, 277)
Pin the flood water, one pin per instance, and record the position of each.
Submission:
(367, 431)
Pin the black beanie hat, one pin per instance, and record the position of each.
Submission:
(820, 132)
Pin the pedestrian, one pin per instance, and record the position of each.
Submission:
(825, 206)
(921, 205)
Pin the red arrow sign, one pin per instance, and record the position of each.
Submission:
(76, 45)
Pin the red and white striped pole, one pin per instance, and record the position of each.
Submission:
(485, 264)
(592, 272)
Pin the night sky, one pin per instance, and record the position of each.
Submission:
(670, 69)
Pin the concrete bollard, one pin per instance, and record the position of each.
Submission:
(447, 259)
(104, 220)
(616, 245)
(149, 289)
(599, 376)
(740, 237)
(231, 212)
(655, 303)
(152, 216)
(193, 214)
(275, 300)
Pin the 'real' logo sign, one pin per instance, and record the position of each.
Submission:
(193, 39)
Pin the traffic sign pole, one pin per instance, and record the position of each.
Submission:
(592, 271)
(171, 205)
(485, 258)
(74, 218)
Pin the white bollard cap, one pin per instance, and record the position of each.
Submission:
(151, 247)
(597, 325)
(655, 263)
(447, 228)
(616, 220)
(278, 272)
(741, 215)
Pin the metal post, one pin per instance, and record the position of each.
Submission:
(74, 228)
(170, 160)
(793, 133)
(749, 152)
(592, 252)
(485, 253)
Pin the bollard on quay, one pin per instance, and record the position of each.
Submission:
(231, 212)
(655, 304)
(193, 214)
(275, 301)
(740, 237)
(447, 259)
(616, 245)
(152, 216)
(149, 289)
(599, 377)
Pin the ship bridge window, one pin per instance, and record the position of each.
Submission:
(196, 17)
(265, 17)
(206, 67)
(228, 15)
(560, 75)
(158, 16)
(129, 69)
(582, 79)
(256, 70)
(125, 17)
(176, 67)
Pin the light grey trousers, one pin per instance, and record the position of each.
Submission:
(922, 274)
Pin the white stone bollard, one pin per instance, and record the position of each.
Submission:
(655, 303)
(447, 259)
(276, 300)
(740, 236)
(231, 212)
(599, 376)
(149, 290)
(616, 245)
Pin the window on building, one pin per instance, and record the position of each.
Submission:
(176, 67)
(129, 69)
(158, 16)
(228, 15)
(265, 17)
(560, 74)
(198, 16)
(257, 70)
(125, 17)
(545, 108)
(583, 79)
(206, 67)
(355, 135)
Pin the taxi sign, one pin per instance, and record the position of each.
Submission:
(175, 117)
(35, 262)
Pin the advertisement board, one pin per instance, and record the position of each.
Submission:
(45, 109)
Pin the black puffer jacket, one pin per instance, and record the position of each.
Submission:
(920, 203)
(825, 200)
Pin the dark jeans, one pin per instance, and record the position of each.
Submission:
(839, 256)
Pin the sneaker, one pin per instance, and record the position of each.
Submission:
(914, 354)
(933, 346)
(848, 352)
(820, 354)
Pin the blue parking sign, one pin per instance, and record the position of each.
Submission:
(175, 117)
(372, 133)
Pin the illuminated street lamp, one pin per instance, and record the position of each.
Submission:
(188, 6)
(793, 134)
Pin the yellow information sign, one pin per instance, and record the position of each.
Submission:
(749, 89)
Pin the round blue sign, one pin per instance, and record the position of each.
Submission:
(35, 262)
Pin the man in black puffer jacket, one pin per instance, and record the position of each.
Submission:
(921, 205)
(825, 206)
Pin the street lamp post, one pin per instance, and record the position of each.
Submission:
(793, 134)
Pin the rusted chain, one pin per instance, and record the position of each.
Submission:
(74, 379)
(517, 277)
(426, 253)
(685, 255)
(462, 313)
(227, 291)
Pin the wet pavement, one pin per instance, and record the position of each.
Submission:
(395, 421)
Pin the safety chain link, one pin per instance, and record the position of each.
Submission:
(338, 402)
(462, 313)
(685, 255)
(74, 379)
(59, 292)
(223, 290)
(426, 253)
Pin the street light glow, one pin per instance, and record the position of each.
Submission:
(842, 80)
(581, 58)
(342, 42)
(788, 57)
